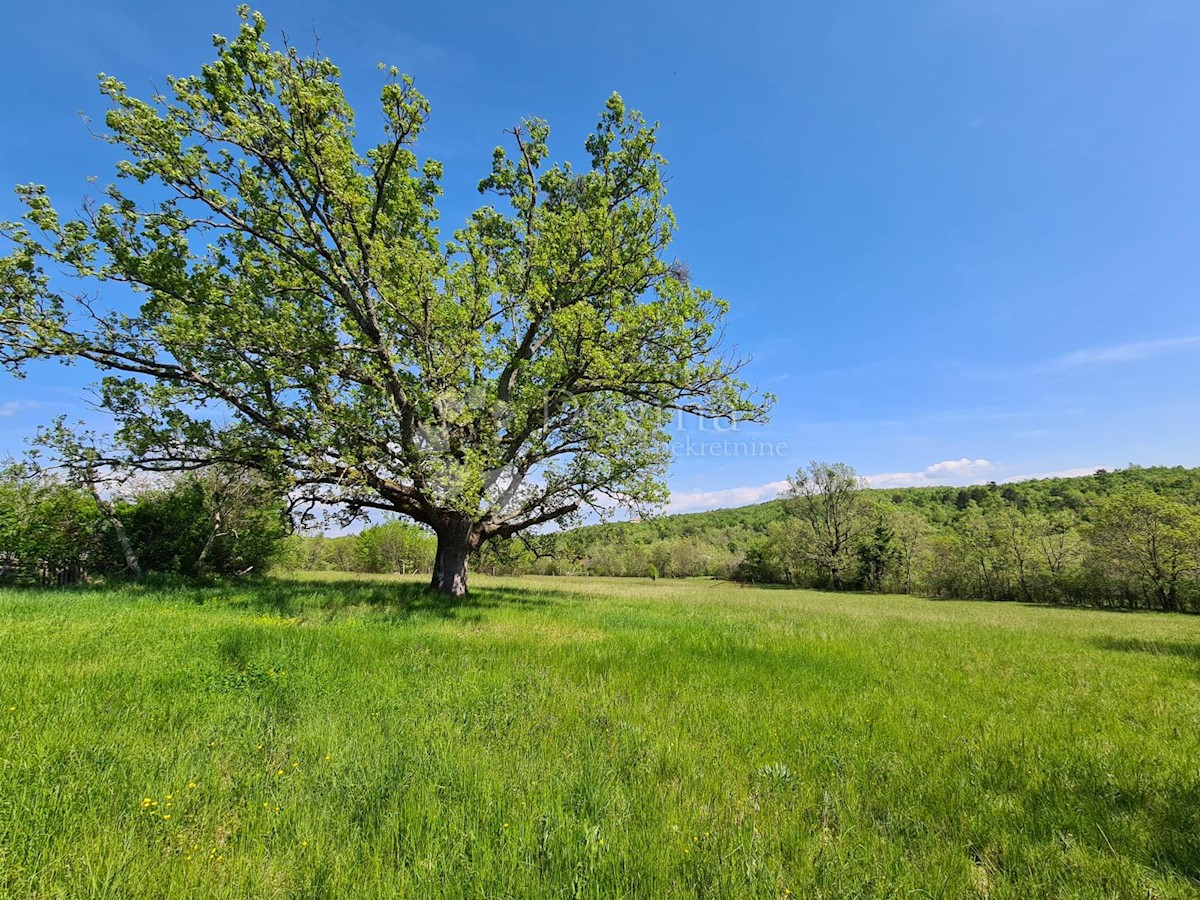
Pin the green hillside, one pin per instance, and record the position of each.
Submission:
(942, 505)
(1064, 540)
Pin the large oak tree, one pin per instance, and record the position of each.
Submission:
(297, 310)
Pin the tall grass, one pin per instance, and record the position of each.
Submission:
(587, 738)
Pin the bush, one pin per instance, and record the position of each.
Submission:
(212, 523)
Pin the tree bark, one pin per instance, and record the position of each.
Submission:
(456, 541)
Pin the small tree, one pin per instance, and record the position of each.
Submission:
(302, 315)
(829, 507)
(877, 550)
(910, 536)
(1015, 536)
(979, 543)
(49, 528)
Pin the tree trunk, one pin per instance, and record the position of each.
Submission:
(110, 513)
(456, 540)
(209, 540)
(131, 560)
(835, 578)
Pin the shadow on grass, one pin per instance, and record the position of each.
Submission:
(1084, 608)
(1180, 649)
(1149, 818)
(384, 599)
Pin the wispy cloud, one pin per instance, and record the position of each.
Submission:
(1060, 473)
(12, 407)
(697, 501)
(1121, 353)
(949, 471)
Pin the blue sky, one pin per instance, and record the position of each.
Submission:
(961, 240)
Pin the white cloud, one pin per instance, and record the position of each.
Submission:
(958, 467)
(697, 501)
(1121, 353)
(949, 471)
(1060, 473)
(12, 407)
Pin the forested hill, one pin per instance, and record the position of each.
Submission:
(721, 541)
(941, 505)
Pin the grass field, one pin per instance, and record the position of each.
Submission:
(570, 737)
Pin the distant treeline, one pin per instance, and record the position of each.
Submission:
(1128, 538)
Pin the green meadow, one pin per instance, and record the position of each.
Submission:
(554, 737)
